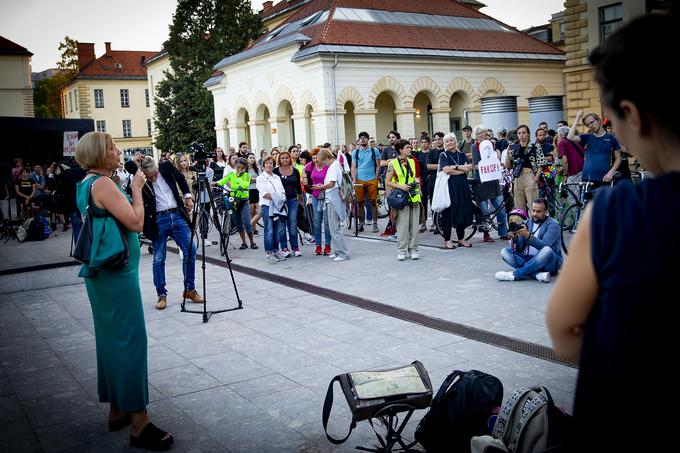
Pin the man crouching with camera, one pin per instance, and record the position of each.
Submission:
(535, 250)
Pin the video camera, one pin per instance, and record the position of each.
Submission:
(516, 158)
(200, 156)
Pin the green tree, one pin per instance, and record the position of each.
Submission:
(201, 34)
(46, 95)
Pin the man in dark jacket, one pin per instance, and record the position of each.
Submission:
(536, 247)
(165, 215)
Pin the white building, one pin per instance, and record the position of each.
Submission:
(16, 91)
(332, 69)
(113, 91)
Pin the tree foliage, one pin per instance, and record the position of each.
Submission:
(46, 94)
(201, 34)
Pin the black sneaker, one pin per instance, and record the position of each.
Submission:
(254, 246)
(361, 227)
(243, 246)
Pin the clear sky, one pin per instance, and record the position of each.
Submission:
(39, 25)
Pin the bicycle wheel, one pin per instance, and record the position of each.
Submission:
(355, 208)
(226, 232)
(383, 210)
(437, 219)
(477, 220)
(568, 224)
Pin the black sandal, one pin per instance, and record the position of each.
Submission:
(151, 438)
(120, 423)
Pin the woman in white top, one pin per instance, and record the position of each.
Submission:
(334, 205)
(272, 196)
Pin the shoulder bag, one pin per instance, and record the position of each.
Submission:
(111, 250)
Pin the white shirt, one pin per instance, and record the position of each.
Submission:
(268, 184)
(532, 251)
(334, 173)
(164, 198)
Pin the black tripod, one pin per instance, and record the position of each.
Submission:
(199, 213)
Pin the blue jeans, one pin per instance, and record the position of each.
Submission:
(173, 224)
(241, 218)
(319, 215)
(271, 231)
(291, 223)
(528, 267)
(502, 217)
(76, 224)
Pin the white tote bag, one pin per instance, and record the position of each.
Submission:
(440, 197)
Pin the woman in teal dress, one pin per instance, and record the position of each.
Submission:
(115, 296)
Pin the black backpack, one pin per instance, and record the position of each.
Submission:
(460, 411)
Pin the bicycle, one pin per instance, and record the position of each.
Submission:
(224, 211)
(352, 207)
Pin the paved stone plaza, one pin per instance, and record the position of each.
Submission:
(254, 380)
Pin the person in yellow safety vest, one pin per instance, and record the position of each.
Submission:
(401, 174)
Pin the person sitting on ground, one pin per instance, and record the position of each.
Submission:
(25, 189)
(238, 183)
(401, 174)
(536, 250)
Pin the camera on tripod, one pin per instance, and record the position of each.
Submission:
(200, 157)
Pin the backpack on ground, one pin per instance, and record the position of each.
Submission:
(33, 229)
(460, 410)
(529, 422)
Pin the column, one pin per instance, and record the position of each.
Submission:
(300, 125)
(406, 123)
(235, 134)
(256, 140)
(273, 127)
(325, 127)
(222, 137)
(364, 120)
(441, 120)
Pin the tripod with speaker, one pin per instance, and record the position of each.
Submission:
(200, 213)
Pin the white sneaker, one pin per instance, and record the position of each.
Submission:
(505, 276)
(332, 256)
(340, 258)
(279, 256)
(393, 237)
(285, 253)
(297, 252)
(401, 257)
(271, 258)
(543, 277)
(415, 255)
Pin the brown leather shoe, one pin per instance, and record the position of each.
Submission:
(162, 302)
(194, 296)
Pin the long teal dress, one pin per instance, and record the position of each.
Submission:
(119, 326)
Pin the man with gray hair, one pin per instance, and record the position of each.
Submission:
(166, 215)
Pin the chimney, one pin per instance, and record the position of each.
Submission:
(266, 6)
(108, 47)
(142, 60)
(85, 54)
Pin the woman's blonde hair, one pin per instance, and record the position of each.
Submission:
(283, 153)
(178, 163)
(324, 154)
(91, 150)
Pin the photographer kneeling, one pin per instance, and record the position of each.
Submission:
(536, 250)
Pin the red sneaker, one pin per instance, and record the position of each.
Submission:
(317, 251)
(487, 237)
(327, 250)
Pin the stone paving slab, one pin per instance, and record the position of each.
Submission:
(254, 379)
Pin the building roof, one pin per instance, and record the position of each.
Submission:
(8, 47)
(281, 7)
(158, 56)
(118, 64)
(406, 27)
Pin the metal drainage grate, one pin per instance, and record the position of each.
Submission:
(472, 333)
